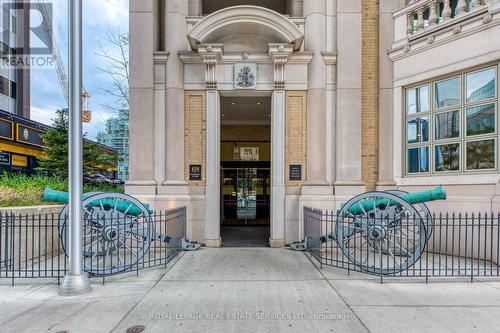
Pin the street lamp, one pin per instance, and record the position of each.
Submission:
(75, 282)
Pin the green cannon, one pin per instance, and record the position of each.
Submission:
(382, 233)
(122, 206)
(437, 193)
(118, 230)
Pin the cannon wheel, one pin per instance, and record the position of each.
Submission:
(424, 211)
(113, 241)
(62, 221)
(384, 240)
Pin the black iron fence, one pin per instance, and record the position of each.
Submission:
(443, 245)
(34, 246)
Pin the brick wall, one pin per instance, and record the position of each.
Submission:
(194, 133)
(295, 133)
(369, 93)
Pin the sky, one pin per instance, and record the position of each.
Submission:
(46, 94)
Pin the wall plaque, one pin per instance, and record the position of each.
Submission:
(245, 76)
(195, 172)
(295, 172)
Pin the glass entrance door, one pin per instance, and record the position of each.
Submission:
(245, 196)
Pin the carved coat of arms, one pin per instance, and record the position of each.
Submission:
(245, 76)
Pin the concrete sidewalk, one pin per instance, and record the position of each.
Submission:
(253, 290)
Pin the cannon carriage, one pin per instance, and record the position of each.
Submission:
(381, 233)
(117, 231)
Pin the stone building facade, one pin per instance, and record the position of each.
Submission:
(246, 111)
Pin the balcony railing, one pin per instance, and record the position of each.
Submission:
(425, 15)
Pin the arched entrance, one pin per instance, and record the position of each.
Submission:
(267, 45)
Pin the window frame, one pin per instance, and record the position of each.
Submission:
(462, 138)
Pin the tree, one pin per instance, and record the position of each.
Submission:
(116, 67)
(56, 161)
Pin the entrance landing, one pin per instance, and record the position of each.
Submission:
(253, 290)
(245, 236)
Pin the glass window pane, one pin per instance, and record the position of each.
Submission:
(447, 157)
(411, 101)
(481, 85)
(4, 86)
(418, 159)
(481, 119)
(411, 130)
(447, 93)
(417, 100)
(424, 129)
(447, 125)
(417, 130)
(481, 155)
(423, 99)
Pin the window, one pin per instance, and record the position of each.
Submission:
(451, 124)
(4, 86)
(280, 6)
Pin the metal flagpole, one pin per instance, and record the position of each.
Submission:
(76, 281)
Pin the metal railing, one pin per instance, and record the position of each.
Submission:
(33, 246)
(443, 245)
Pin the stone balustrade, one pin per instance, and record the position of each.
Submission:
(425, 15)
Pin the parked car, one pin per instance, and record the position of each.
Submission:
(96, 178)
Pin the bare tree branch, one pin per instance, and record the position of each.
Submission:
(115, 54)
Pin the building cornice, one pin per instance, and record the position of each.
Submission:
(192, 57)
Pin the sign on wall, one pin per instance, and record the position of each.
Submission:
(245, 76)
(20, 160)
(6, 129)
(195, 172)
(295, 172)
(30, 135)
(249, 153)
(4, 157)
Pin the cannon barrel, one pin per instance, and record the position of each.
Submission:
(63, 197)
(437, 193)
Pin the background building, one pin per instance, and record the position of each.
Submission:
(270, 106)
(116, 137)
(14, 81)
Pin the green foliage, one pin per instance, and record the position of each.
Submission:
(56, 162)
(24, 190)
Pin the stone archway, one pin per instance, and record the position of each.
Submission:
(283, 38)
(239, 19)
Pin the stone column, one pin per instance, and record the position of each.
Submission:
(211, 55)
(160, 74)
(294, 8)
(195, 7)
(386, 99)
(348, 100)
(175, 41)
(280, 54)
(141, 178)
(330, 59)
(314, 12)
